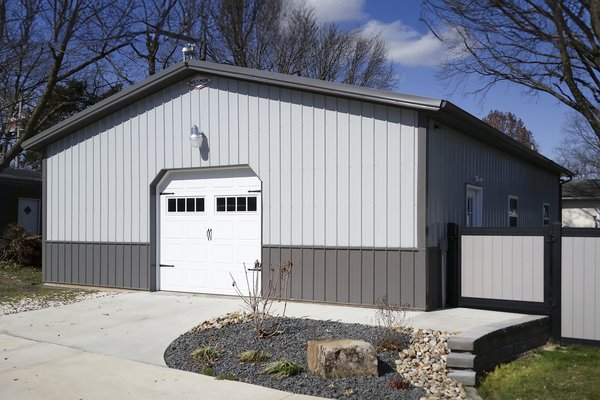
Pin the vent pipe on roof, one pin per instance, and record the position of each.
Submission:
(188, 52)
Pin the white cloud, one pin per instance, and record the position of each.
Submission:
(337, 10)
(408, 47)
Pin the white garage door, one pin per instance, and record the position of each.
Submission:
(210, 226)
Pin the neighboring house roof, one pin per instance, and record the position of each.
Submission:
(581, 189)
(26, 175)
(442, 110)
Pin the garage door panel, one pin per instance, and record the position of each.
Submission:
(206, 246)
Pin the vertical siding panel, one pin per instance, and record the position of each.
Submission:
(165, 129)
(538, 271)
(567, 286)
(393, 278)
(486, 265)
(118, 213)
(330, 153)
(97, 265)
(147, 174)
(308, 274)
(407, 278)
(466, 263)
(297, 193)
(285, 255)
(408, 179)
(420, 258)
(60, 262)
(597, 291)
(307, 170)
(368, 160)
(233, 114)
(264, 159)
(175, 125)
(89, 264)
(527, 268)
(285, 194)
(161, 147)
(331, 289)
(253, 130)
(127, 270)
(355, 209)
(355, 267)
(507, 270)
(202, 120)
(144, 265)
(274, 166)
(83, 207)
(96, 196)
(223, 121)
(104, 264)
(343, 275)
(394, 173)
(82, 263)
(517, 267)
(380, 276)
(134, 181)
(578, 288)
(589, 267)
(343, 174)
(319, 170)
(182, 127)
(74, 189)
(135, 266)
(319, 277)
(298, 273)
(112, 265)
(380, 179)
(129, 157)
(61, 203)
(106, 161)
(74, 253)
(497, 267)
(368, 273)
(119, 259)
(243, 123)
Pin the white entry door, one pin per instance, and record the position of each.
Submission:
(29, 215)
(209, 227)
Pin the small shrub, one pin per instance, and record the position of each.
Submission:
(205, 354)
(207, 371)
(18, 246)
(228, 377)
(391, 320)
(399, 383)
(253, 356)
(283, 368)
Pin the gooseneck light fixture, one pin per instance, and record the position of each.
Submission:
(195, 137)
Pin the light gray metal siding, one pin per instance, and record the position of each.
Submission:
(580, 297)
(335, 172)
(454, 160)
(502, 267)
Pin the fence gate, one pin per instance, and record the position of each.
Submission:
(550, 271)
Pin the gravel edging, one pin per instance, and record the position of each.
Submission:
(232, 334)
(38, 303)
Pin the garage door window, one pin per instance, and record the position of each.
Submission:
(236, 204)
(185, 204)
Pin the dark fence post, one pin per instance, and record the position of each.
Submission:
(453, 265)
(556, 279)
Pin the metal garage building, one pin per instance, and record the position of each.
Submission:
(354, 185)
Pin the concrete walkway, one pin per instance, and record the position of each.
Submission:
(113, 346)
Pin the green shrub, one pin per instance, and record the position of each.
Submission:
(253, 356)
(207, 371)
(283, 368)
(205, 354)
(228, 377)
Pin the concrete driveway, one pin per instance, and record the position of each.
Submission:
(113, 346)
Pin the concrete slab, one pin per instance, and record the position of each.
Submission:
(48, 371)
(113, 345)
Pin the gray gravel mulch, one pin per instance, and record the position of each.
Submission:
(230, 340)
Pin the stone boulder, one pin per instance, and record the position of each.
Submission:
(342, 358)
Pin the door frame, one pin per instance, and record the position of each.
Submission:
(154, 211)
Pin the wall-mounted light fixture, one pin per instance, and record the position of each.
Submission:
(195, 137)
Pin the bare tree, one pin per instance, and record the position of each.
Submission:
(45, 43)
(580, 149)
(512, 126)
(546, 46)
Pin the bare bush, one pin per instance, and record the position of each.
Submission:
(259, 300)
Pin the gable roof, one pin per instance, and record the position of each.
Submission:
(441, 110)
(26, 175)
(581, 189)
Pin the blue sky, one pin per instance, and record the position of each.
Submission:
(416, 52)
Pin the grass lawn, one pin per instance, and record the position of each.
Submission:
(18, 282)
(549, 373)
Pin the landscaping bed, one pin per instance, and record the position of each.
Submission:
(422, 358)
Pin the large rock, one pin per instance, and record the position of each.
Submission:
(342, 358)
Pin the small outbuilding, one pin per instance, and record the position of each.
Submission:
(182, 179)
(581, 203)
(21, 199)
